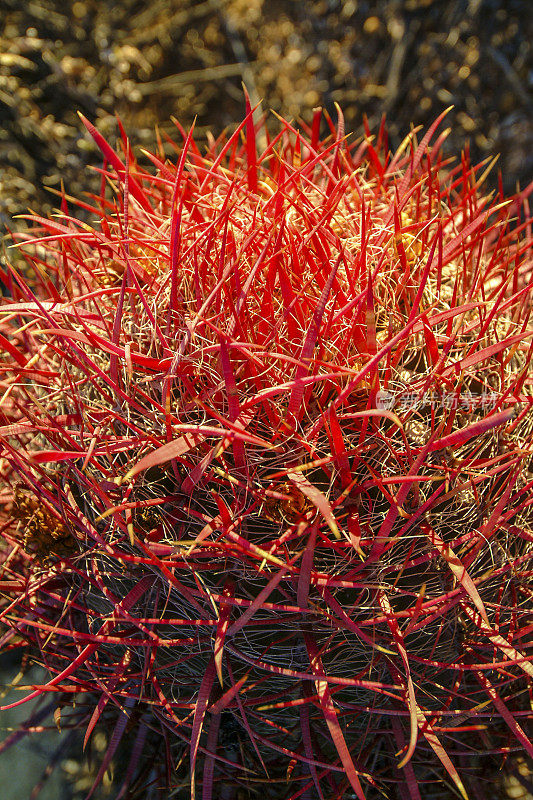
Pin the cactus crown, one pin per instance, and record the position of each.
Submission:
(266, 464)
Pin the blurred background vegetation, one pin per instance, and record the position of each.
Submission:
(148, 61)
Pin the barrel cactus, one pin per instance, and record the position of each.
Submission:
(267, 467)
